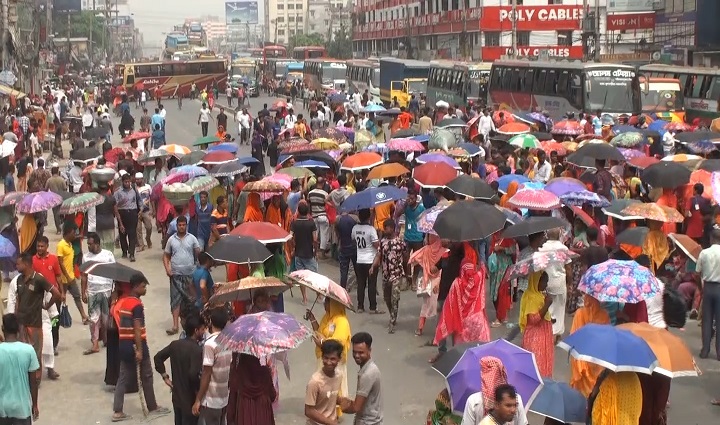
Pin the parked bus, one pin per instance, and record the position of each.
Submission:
(458, 83)
(402, 78)
(662, 97)
(255, 52)
(700, 88)
(308, 52)
(559, 87)
(324, 74)
(364, 75)
(277, 67)
(175, 78)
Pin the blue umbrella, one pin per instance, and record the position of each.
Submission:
(225, 147)
(619, 129)
(337, 98)
(504, 181)
(471, 149)
(423, 138)
(538, 117)
(247, 160)
(373, 108)
(612, 348)
(7, 249)
(190, 170)
(658, 126)
(372, 197)
(311, 163)
(701, 147)
(559, 401)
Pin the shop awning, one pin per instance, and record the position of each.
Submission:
(9, 91)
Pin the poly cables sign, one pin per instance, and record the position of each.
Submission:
(531, 18)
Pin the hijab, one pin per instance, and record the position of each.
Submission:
(511, 190)
(492, 374)
(335, 324)
(532, 300)
(253, 210)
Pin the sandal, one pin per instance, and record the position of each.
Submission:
(495, 324)
(418, 332)
(715, 402)
(172, 331)
(90, 351)
(377, 312)
(435, 358)
(121, 417)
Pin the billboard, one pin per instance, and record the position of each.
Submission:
(631, 21)
(531, 18)
(621, 6)
(67, 6)
(241, 12)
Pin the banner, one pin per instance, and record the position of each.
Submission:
(493, 53)
(67, 6)
(532, 18)
(241, 12)
(631, 21)
(630, 5)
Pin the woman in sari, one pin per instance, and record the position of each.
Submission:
(655, 396)
(669, 199)
(579, 244)
(511, 190)
(656, 245)
(333, 325)
(584, 374)
(616, 399)
(463, 315)
(251, 392)
(253, 208)
(28, 234)
(428, 258)
(498, 263)
(535, 323)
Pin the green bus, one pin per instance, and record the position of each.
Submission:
(458, 82)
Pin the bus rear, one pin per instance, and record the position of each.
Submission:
(663, 97)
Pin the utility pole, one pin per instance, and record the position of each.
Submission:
(597, 31)
(514, 29)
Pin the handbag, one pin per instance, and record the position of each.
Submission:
(64, 319)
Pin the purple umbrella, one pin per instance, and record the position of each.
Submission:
(631, 153)
(584, 197)
(437, 157)
(701, 147)
(39, 201)
(7, 249)
(539, 117)
(562, 185)
(426, 220)
(263, 334)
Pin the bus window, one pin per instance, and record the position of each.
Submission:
(180, 69)
(194, 68)
(576, 89)
(528, 83)
(715, 89)
(684, 84)
(130, 80)
(165, 70)
(705, 89)
(697, 86)
(563, 85)
(522, 73)
(551, 82)
(539, 84)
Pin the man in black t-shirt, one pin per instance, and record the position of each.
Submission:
(221, 119)
(347, 249)
(305, 238)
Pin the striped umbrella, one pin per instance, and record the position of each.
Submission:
(527, 141)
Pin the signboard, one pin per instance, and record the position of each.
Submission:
(67, 6)
(631, 21)
(531, 18)
(630, 5)
(241, 12)
(492, 53)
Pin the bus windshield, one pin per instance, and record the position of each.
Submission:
(375, 79)
(332, 72)
(417, 87)
(662, 97)
(610, 90)
(247, 70)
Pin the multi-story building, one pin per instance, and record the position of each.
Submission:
(326, 17)
(215, 31)
(286, 18)
(688, 33)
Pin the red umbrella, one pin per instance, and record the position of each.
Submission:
(263, 232)
(114, 155)
(514, 128)
(583, 216)
(678, 126)
(532, 199)
(553, 146)
(361, 161)
(218, 157)
(434, 174)
(137, 136)
(643, 162)
(567, 128)
(278, 104)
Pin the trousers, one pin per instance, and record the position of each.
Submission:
(128, 238)
(710, 317)
(127, 371)
(368, 280)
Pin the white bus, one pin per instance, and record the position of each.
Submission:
(364, 74)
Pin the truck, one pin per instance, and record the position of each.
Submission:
(401, 78)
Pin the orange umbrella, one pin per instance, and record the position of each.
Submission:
(361, 161)
(674, 358)
(687, 245)
(514, 128)
(387, 170)
(551, 145)
(704, 177)
(653, 211)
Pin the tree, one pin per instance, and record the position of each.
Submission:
(341, 46)
(299, 40)
(81, 25)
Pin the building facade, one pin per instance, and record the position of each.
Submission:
(326, 17)
(286, 18)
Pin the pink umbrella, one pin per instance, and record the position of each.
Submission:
(405, 145)
(280, 178)
(39, 201)
(567, 128)
(532, 199)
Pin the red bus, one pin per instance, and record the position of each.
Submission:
(309, 52)
(274, 51)
(175, 77)
(256, 52)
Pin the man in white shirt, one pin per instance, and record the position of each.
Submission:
(243, 120)
(321, 115)
(143, 98)
(163, 113)
(708, 266)
(88, 119)
(204, 119)
(96, 290)
(366, 238)
(145, 219)
(475, 411)
(485, 126)
(214, 393)
(290, 119)
(542, 169)
(558, 281)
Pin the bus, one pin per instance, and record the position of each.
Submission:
(562, 86)
(364, 75)
(274, 51)
(700, 88)
(324, 74)
(176, 43)
(458, 83)
(247, 67)
(662, 97)
(277, 67)
(308, 52)
(255, 52)
(175, 78)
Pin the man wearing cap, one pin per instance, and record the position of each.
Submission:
(145, 217)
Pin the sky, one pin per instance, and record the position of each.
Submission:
(155, 17)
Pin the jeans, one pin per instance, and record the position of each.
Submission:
(306, 264)
(366, 279)
(204, 128)
(344, 260)
(128, 238)
(127, 372)
(710, 317)
(210, 416)
(184, 419)
(57, 219)
(15, 421)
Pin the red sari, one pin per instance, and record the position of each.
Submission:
(251, 392)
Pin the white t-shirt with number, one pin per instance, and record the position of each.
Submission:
(365, 236)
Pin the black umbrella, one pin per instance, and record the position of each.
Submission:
(447, 362)
(666, 174)
(541, 136)
(317, 156)
(696, 136)
(595, 151)
(617, 206)
(405, 132)
(469, 221)
(114, 271)
(710, 165)
(471, 187)
(192, 158)
(228, 169)
(239, 250)
(450, 122)
(531, 226)
(95, 133)
(84, 154)
(634, 236)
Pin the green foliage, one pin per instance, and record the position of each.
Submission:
(341, 46)
(300, 40)
(81, 25)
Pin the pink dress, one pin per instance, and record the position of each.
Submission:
(538, 339)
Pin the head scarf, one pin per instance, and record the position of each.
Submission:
(274, 215)
(584, 374)
(335, 325)
(656, 245)
(511, 190)
(532, 300)
(428, 256)
(253, 210)
(492, 374)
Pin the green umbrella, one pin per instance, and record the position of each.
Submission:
(628, 139)
(296, 172)
(525, 141)
(206, 140)
(198, 184)
(80, 202)
(192, 158)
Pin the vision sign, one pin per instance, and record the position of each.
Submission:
(531, 18)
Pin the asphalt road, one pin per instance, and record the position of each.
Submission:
(409, 384)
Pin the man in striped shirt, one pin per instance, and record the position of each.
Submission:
(214, 392)
(316, 198)
(219, 219)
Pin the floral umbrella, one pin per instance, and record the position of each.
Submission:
(405, 145)
(525, 141)
(7, 248)
(619, 282)
(701, 147)
(427, 218)
(653, 211)
(567, 128)
(539, 200)
(12, 198)
(292, 142)
(39, 201)
(550, 146)
(263, 334)
(243, 289)
(583, 197)
(631, 153)
(539, 261)
(191, 171)
(514, 128)
(80, 202)
(678, 126)
(264, 186)
(323, 286)
(300, 149)
(629, 139)
(331, 133)
(202, 183)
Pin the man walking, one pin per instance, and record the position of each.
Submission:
(56, 184)
(18, 370)
(213, 395)
(304, 241)
(366, 238)
(66, 258)
(128, 205)
(391, 257)
(96, 292)
(368, 403)
(317, 198)
(181, 250)
(707, 267)
(204, 119)
(145, 218)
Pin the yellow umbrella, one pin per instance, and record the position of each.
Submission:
(325, 144)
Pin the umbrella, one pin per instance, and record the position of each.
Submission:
(239, 250)
(619, 281)
(373, 197)
(634, 236)
(114, 155)
(279, 104)
(325, 144)
(451, 122)
(405, 145)
(531, 226)
(595, 151)
(7, 249)
(115, 271)
(242, 290)
(262, 231)
(84, 154)
(191, 171)
(331, 133)
(701, 147)
(437, 157)
(384, 171)
(539, 261)
(300, 149)
(248, 160)
(653, 211)
(463, 376)
(434, 174)
(514, 128)
(527, 141)
(263, 334)
(666, 174)
(538, 117)
(550, 146)
(711, 165)
(80, 202)
(194, 157)
(219, 157)
(224, 147)
(12, 198)
(206, 140)
(688, 161)
(504, 181)
(620, 129)
(292, 142)
(642, 162)
(510, 216)
(311, 163)
(202, 183)
(150, 156)
(471, 149)
(228, 169)
(628, 139)
(175, 150)
(95, 133)
(406, 132)
(296, 172)
(269, 186)
(39, 201)
(570, 146)
(361, 161)
(136, 136)
(322, 285)
(583, 197)
(427, 218)
(687, 245)
(567, 128)
(373, 108)
(468, 221)
(539, 200)
(562, 185)
(694, 136)
(471, 187)
(673, 356)
(678, 126)
(631, 153)
(560, 401)
(610, 347)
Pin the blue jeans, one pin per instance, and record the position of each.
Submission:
(306, 264)
(345, 260)
(710, 316)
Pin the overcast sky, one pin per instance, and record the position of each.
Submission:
(154, 17)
